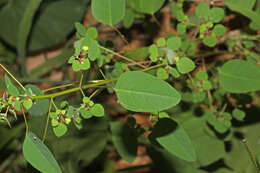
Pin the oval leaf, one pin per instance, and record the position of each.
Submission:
(109, 12)
(147, 6)
(174, 139)
(38, 155)
(142, 92)
(125, 140)
(239, 76)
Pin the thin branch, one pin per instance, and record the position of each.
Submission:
(252, 156)
(5, 69)
(121, 56)
(120, 34)
(95, 85)
(25, 121)
(47, 121)
(58, 87)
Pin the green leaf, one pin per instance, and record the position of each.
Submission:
(237, 159)
(163, 160)
(153, 50)
(27, 104)
(125, 140)
(202, 142)
(12, 90)
(129, 18)
(216, 14)
(38, 155)
(202, 10)
(70, 112)
(94, 51)
(162, 74)
(161, 42)
(109, 12)
(181, 29)
(60, 129)
(17, 105)
(210, 41)
(174, 139)
(206, 85)
(63, 104)
(202, 75)
(185, 65)
(174, 43)
(85, 113)
(219, 30)
(40, 106)
(245, 8)
(237, 76)
(147, 6)
(249, 4)
(76, 65)
(174, 72)
(134, 94)
(238, 114)
(92, 33)
(222, 126)
(81, 30)
(85, 64)
(54, 122)
(82, 146)
(198, 96)
(98, 110)
(2, 85)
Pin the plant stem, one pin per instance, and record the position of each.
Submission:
(94, 93)
(210, 101)
(252, 157)
(100, 83)
(156, 21)
(94, 85)
(120, 34)
(121, 56)
(10, 74)
(58, 87)
(52, 102)
(153, 67)
(80, 85)
(25, 121)
(47, 121)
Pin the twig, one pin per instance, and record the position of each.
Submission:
(121, 56)
(120, 34)
(25, 120)
(250, 153)
(47, 121)
(13, 77)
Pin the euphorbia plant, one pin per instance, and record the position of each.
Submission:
(192, 103)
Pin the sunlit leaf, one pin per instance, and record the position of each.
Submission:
(109, 12)
(134, 94)
(147, 6)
